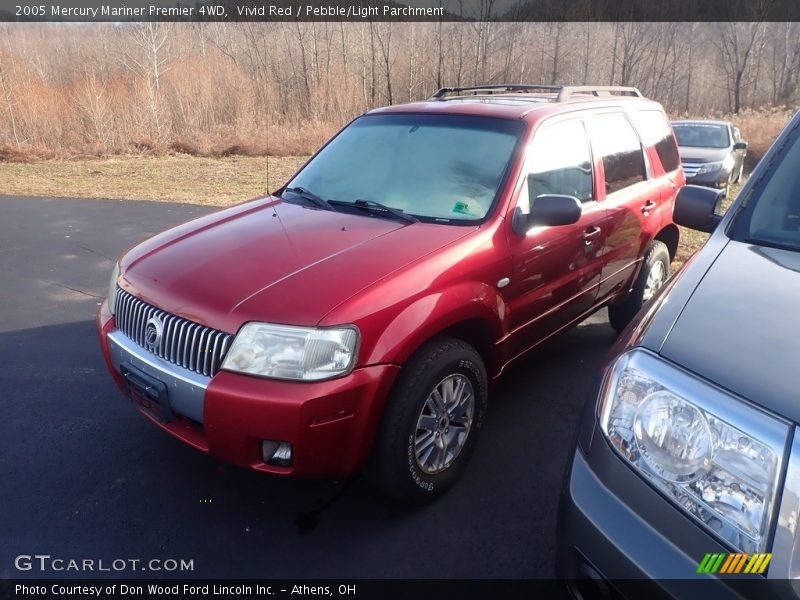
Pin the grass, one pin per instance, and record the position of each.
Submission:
(180, 178)
(692, 241)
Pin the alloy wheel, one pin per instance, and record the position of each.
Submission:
(444, 424)
(655, 279)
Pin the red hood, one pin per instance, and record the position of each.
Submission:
(273, 261)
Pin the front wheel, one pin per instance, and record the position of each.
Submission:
(431, 422)
(654, 273)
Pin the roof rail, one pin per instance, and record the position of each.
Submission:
(569, 91)
(563, 92)
(502, 88)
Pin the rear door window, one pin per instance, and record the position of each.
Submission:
(616, 143)
(655, 130)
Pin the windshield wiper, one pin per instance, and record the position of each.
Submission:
(379, 209)
(309, 195)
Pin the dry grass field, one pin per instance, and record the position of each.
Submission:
(178, 178)
(692, 241)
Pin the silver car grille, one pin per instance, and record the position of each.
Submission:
(690, 167)
(182, 342)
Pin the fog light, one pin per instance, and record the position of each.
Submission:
(276, 453)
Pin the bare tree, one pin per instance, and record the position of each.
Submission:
(8, 99)
(785, 60)
(736, 43)
(385, 42)
(91, 99)
(149, 55)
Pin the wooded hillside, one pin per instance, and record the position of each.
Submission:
(283, 88)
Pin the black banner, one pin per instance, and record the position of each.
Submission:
(395, 10)
(382, 589)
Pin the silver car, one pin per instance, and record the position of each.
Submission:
(712, 152)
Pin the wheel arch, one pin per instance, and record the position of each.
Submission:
(470, 312)
(670, 236)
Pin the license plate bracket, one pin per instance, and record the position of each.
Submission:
(146, 392)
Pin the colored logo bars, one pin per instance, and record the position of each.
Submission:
(734, 563)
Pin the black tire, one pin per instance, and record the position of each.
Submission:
(739, 174)
(621, 313)
(394, 467)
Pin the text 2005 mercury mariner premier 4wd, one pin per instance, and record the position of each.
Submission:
(356, 318)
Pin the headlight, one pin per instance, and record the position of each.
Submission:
(713, 455)
(296, 353)
(112, 289)
(711, 167)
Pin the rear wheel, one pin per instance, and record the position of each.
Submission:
(431, 422)
(654, 273)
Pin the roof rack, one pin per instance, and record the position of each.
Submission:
(569, 91)
(562, 92)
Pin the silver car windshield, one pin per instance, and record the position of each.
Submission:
(702, 135)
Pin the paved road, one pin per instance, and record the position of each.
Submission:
(82, 475)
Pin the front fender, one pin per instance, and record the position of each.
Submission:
(468, 304)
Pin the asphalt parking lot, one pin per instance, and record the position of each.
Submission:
(85, 476)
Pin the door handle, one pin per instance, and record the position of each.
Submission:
(648, 206)
(590, 233)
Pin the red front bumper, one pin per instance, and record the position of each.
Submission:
(330, 424)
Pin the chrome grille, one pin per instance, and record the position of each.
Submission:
(690, 167)
(183, 342)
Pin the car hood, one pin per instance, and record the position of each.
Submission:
(273, 261)
(740, 327)
(703, 155)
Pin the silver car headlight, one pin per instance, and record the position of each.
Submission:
(294, 353)
(711, 167)
(111, 299)
(716, 457)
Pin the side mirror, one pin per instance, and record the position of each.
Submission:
(548, 210)
(740, 146)
(696, 208)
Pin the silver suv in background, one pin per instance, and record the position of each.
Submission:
(712, 152)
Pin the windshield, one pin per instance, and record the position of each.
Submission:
(439, 167)
(770, 214)
(701, 135)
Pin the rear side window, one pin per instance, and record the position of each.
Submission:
(617, 144)
(655, 131)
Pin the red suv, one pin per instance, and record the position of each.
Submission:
(355, 319)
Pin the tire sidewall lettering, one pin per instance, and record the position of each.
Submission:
(428, 486)
(473, 371)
